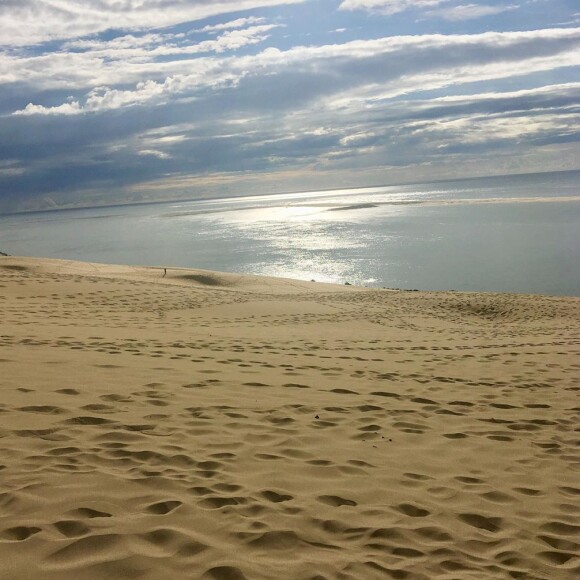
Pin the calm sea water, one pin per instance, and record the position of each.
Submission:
(398, 236)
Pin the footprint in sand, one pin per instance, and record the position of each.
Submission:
(336, 501)
(19, 533)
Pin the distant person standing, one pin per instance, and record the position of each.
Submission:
(164, 272)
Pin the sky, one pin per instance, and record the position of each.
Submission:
(108, 102)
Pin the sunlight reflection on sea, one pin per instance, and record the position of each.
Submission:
(398, 237)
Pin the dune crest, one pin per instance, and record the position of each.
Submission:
(196, 424)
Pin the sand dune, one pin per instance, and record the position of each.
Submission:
(208, 425)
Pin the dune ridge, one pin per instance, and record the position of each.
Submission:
(199, 424)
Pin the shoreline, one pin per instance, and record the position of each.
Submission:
(178, 275)
(216, 425)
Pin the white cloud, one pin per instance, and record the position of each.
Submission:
(492, 129)
(71, 108)
(437, 8)
(11, 168)
(150, 46)
(238, 23)
(154, 153)
(346, 75)
(543, 92)
(236, 39)
(156, 139)
(470, 11)
(126, 42)
(123, 60)
(30, 22)
(388, 7)
(357, 139)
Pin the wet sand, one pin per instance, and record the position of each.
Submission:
(207, 425)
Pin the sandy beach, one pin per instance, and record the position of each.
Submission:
(207, 425)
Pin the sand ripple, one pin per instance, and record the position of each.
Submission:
(202, 425)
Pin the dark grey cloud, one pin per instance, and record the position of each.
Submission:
(112, 150)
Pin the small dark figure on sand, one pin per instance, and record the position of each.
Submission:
(164, 272)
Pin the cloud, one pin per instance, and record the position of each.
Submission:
(154, 153)
(151, 46)
(122, 61)
(388, 7)
(28, 22)
(238, 23)
(470, 11)
(483, 121)
(429, 7)
(145, 112)
(10, 168)
(344, 74)
(377, 134)
(121, 43)
(487, 119)
(71, 108)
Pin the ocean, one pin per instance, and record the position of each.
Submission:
(501, 234)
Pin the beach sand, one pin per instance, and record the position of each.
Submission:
(206, 425)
